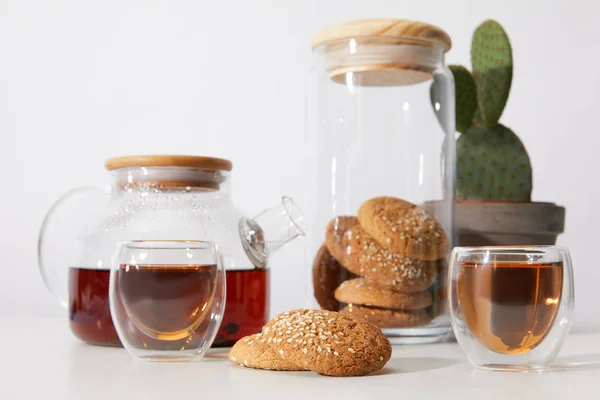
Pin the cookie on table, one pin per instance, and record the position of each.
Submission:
(327, 274)
(366, 257)
(253, 352)
(336, 228)
(361, 291)
(327, 342)
(386, 318)
(403, 228)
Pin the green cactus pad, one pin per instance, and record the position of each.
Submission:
(477, 119)
(492, 164)
(466, 97)
(491, 58)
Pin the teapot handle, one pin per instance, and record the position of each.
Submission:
(57, 237)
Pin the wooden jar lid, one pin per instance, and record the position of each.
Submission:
(168, 161)
(376, 60)
(384, 28)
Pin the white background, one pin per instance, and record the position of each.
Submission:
(81, 81)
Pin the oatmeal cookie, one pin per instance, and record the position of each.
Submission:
(385, 318)
(366, 257)
(403, 228)
(253, 352)
(327, 274)
(362, 291)
(328, 342)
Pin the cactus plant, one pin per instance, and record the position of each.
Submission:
(492, 163)
(466, 97)
(491, 59)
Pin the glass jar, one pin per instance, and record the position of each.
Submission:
(381, 117)
(161, 198)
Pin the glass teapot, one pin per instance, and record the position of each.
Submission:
(160, 197)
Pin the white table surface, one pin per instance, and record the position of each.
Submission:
(41, 360)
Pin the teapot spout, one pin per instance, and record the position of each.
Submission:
(270, 230)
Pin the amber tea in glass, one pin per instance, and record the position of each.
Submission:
(167, 298)
(511, 307)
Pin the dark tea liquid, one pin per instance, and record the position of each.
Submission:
(247, 306)
(167, 303)
(246, 309)
(89, 311)
(509, 307)
(167, 307)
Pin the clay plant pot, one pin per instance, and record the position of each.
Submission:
(491, 223)
(485, 223)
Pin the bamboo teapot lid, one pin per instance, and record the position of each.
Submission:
(193, 172)
(168, 161)
(375, 59)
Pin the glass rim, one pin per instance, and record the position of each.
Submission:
(167, 244)
(508, 250)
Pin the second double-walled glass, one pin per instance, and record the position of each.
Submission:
(381, 117)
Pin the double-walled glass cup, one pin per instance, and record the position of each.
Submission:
(511, 307)
(167, 298)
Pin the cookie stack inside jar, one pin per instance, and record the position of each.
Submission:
(381, 117)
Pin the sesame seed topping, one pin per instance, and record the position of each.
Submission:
(233, 359)
(381, 358)
(304, 350)
(351, 350)
(335, 353)
(281, 352)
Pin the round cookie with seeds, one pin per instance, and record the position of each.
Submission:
(403, 228)
(327, 342)
(367, 258)
(253, 352)
(385, 318)
(364, 292)
(327, 274)
(336, 228)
